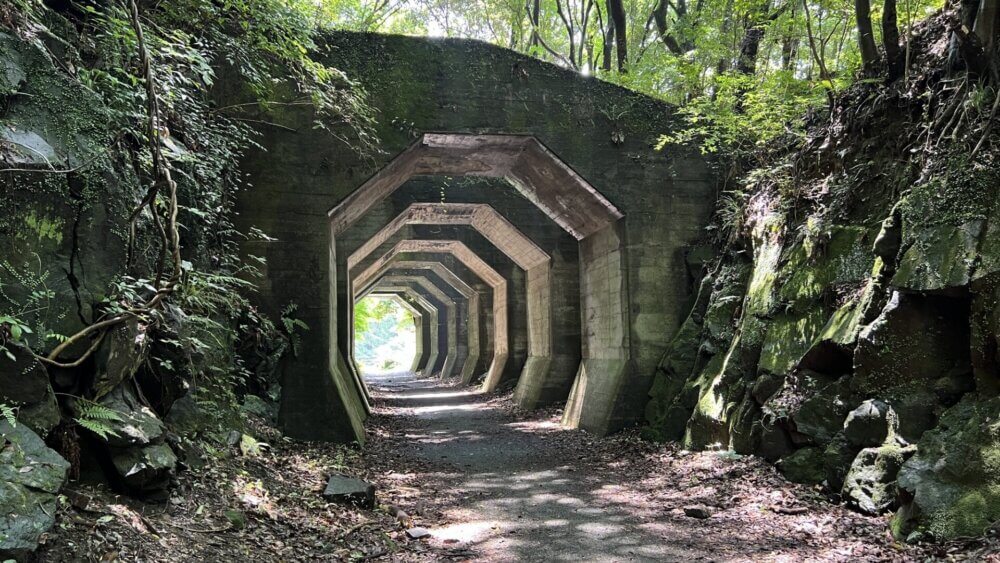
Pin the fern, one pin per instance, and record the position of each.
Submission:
(95, 418)
(9, 414)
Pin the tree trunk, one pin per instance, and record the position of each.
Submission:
(660, 17)
(749, 47)
(890, 39)
(608, 35)
(535, 11)
(986, 25)
(866, 38)
(616, 12)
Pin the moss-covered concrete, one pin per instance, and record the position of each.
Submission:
(422, 85)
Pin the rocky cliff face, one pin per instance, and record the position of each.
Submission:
(849, 330)
(68, 187)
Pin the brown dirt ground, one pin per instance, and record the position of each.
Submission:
(491, 484)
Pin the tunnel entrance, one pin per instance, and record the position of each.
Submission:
(385, 334)
(590, 370)
(570, 162)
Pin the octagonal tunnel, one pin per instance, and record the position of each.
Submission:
(544, 298)
(388, 335)
(565, 200)
(469, 315)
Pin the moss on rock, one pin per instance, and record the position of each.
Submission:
(954, 480)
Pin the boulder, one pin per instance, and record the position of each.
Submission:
(187, 417)
(773, 441)
(837, 458)
(147, 469)
(870, 484)
(31, 475)
(42, 416)
(916, 412)
(138, 424)
(820, 416)
(135, 445)
(23, 380)
(119, 356)
(915, 340)
(804, 466)
(254, 405)
(349, 490)
(870, 424)
(953, 482)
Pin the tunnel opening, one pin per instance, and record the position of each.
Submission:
(593, 381)
(385, 335)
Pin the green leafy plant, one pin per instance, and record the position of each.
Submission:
(11, 330)
(293, 326)
(8, 414)
(96, 418)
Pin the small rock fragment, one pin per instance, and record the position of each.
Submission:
(417, 533)
(698, 511)
(343, 489)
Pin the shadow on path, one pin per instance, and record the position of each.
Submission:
(515, 497)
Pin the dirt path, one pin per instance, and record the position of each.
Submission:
(517, 497)
(490, 483)
(497, 486)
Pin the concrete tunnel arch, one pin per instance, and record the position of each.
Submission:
(465, 370)
(606, 133)
(430, 321)
(417, 316)
(447, 338)
(547, 374)
(567, 199)
(481, 269)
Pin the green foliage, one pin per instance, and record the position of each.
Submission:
(8, 414)
(95, 418)
(11, 330)
(378, 321)
(806, 52)
(742, 115)
(30, 321)
(293, 326)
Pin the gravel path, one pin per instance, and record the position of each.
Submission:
(493, 484)
(518, 498)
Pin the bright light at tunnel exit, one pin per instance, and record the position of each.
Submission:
(385, 338)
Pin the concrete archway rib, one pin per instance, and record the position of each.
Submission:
(547, 375)
(469, 357)
(475, 264)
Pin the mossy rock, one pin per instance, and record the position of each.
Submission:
(31, 475)
(939, 258)
(762, 287)
(870, 424)
(870, 484)
(788, 338)
(985, 334)
(821, 415)
(954, 480)
(844, 256)
(838, 456)
(915, 339)
(804, 466)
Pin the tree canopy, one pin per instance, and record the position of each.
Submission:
(741, 69)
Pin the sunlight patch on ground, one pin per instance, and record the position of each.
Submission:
(445, 408)
(430, 395)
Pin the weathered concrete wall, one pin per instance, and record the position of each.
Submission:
(417, 85)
